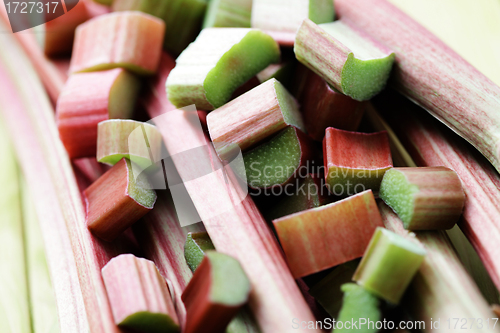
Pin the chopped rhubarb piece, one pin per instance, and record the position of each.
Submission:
(389, 264)
(217, 63)
(86, 100)
(228, 13)
(137, 141)
(218, 290)
(283, 17)
(252, 117)
(308, 192)
(347, 58)
(328, 292)
(132, 40)
(359, 304)
(323, 237)
(433, 75)
(354, 161)
(194, 250)
(429, 198)
(56, 37)
(283, 72)
(139, 295)
(323, 106)
(278, 161)
(117, 200)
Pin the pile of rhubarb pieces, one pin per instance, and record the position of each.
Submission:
(245, 166)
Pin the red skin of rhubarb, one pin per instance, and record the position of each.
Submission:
(275, 297)
(323, 237)
(431, 144)
(323, 107)
(203, 315)
(432, 75)
(110, 209)
(82, 105)
(357, 151)
(58, 203)
(60, 32)
(131, 38)
(135, 285)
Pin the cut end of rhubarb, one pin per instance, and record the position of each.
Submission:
(429, 198)
(195, 247)
(123, 95)
(389, 264)
(149, 322)
(139, 188)
(228, 13)
(358, 303)
(230, 286)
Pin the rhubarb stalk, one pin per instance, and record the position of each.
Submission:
(467, 102)
(323, 237)
(228, 13)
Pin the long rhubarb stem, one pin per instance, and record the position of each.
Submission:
(276, 299)
(430, 144)
(432, 74)
(75, 256)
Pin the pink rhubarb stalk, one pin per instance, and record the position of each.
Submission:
(323, 237)
(139, 295)
(431, 74)
(275, 297)
(125, 39)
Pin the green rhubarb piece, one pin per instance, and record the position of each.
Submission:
(389, 264)
(196, 245)
(359, 306)
(328, 292)
(228, 13)
(230, 284)
(14, 309)
(139, 188)
(428, 198)
(124, 138)
(123, 95)
(150, 322)
(219, 61)
(274, 162)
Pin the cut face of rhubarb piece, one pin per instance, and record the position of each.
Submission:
(309, 192)
(323, 106)
(389, 264)
(355, 161)
(285, 16)
(194, 250)
(252, 117)
(228, 13)
(328, 292)
(348, 59)
(219, 288)
(132, 40)
(429, 198)
(117, 200)
(86, 100)
(277, 162)
(137, 141)
(219, 61)
(323, 237)
(357, 304)
(139, 295)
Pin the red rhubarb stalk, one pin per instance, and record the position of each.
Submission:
(432, 75)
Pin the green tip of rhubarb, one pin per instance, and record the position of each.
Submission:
(274, 162)
(195, 247)
(230, 286)
(321, 11)
(245, 59)
(228, 13)
(358, 304)
(149, 322)
(139, 188)
(123, 95)
(399, 194)
(389, 264)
